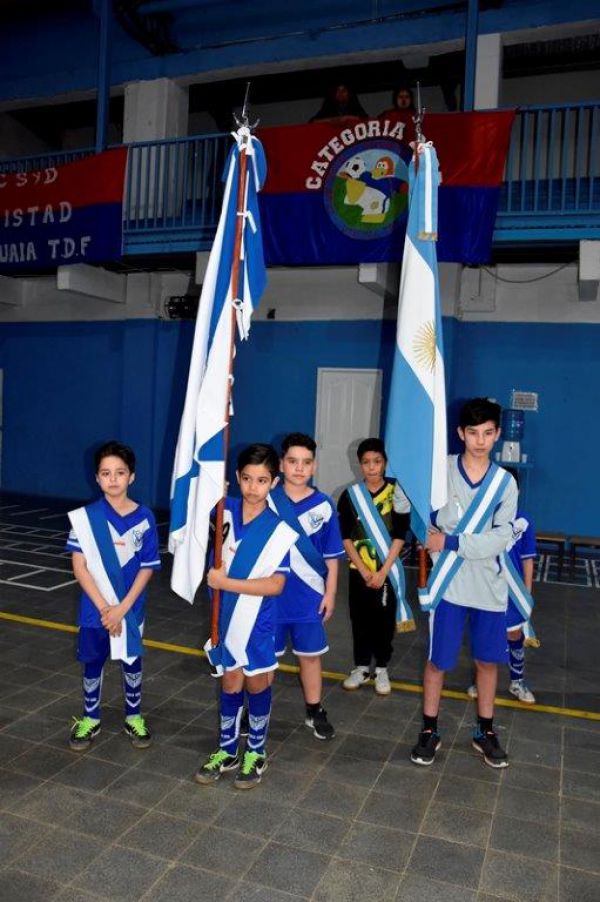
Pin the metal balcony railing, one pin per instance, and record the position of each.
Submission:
(553, 165)
(173, 188)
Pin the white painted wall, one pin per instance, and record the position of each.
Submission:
(525, 293)
(43, 302)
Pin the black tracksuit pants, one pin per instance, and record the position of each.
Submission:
(373, 618)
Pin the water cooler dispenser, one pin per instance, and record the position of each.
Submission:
(513, 422)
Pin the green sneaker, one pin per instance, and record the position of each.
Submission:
(138, 732)
(83, 733)
(251, 771)
(216, 764)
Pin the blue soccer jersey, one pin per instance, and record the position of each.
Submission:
(525, 547)
(136, 544)
(304, 588)
(234, 530)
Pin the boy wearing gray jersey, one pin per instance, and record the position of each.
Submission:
(466, 539)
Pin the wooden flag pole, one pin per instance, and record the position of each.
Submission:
(235, 281)
(422, 577)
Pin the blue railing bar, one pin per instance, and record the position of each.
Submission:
(554, 106)
(537, 154)
(176, 182)
(551, 146)
(594, 128)
(184, 189)
(185, 140)
(577, 155)
(138, 196)
(51, 157)
(565, 158)
(524, 157)
(195, 169)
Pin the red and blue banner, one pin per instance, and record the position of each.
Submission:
(337, 191)
(63, 214)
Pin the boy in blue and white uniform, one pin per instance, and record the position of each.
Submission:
(308, 599)
(256, 561)
(467, 582)
(523, 552)
(115, 552)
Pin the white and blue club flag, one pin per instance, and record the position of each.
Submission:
(199, 469)
(415, 435)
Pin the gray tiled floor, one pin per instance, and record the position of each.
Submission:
(336, 822)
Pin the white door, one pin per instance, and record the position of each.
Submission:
(348, 410)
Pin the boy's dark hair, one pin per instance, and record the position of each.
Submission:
(298, 440)
(259, 454)
(115, 449)
(371, 444)
(478, 411)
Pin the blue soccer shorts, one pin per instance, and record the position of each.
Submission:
(487, 631)
(307, 638)
(514, 618)
(247, 637)
(93, 644)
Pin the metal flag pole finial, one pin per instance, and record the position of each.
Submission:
(243, 121)
(418, 117)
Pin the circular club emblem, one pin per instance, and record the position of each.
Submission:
(366, 190)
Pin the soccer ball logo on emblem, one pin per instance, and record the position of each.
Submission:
(366, 189)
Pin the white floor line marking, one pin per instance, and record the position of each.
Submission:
(36, 510)
(53, 516)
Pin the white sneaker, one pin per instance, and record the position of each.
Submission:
(382, 681)
(357, 677)
(472, 691)
(520, 690)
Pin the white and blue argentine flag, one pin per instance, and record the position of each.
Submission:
(199, 469)
(416, 422)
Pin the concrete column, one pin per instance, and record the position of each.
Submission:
(488, 72)
(154, 109)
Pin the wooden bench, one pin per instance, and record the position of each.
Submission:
(581, 541)
(558, 539)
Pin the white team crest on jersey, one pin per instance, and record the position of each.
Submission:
(138, 538)
(519, 527)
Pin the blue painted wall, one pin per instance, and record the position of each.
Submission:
(68, 386)
(562, 363)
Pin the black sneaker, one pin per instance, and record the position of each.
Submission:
(487, 745)
(250, 773)
(83, 733)
(427, 745)
(216, 764)
(319, 724)
(245, 723)
(137, 729)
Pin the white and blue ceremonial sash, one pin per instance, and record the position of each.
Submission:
(258, 554)
(377, 533)
(520, 596)
(473, 521)
(317, 572)
(97, 546)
